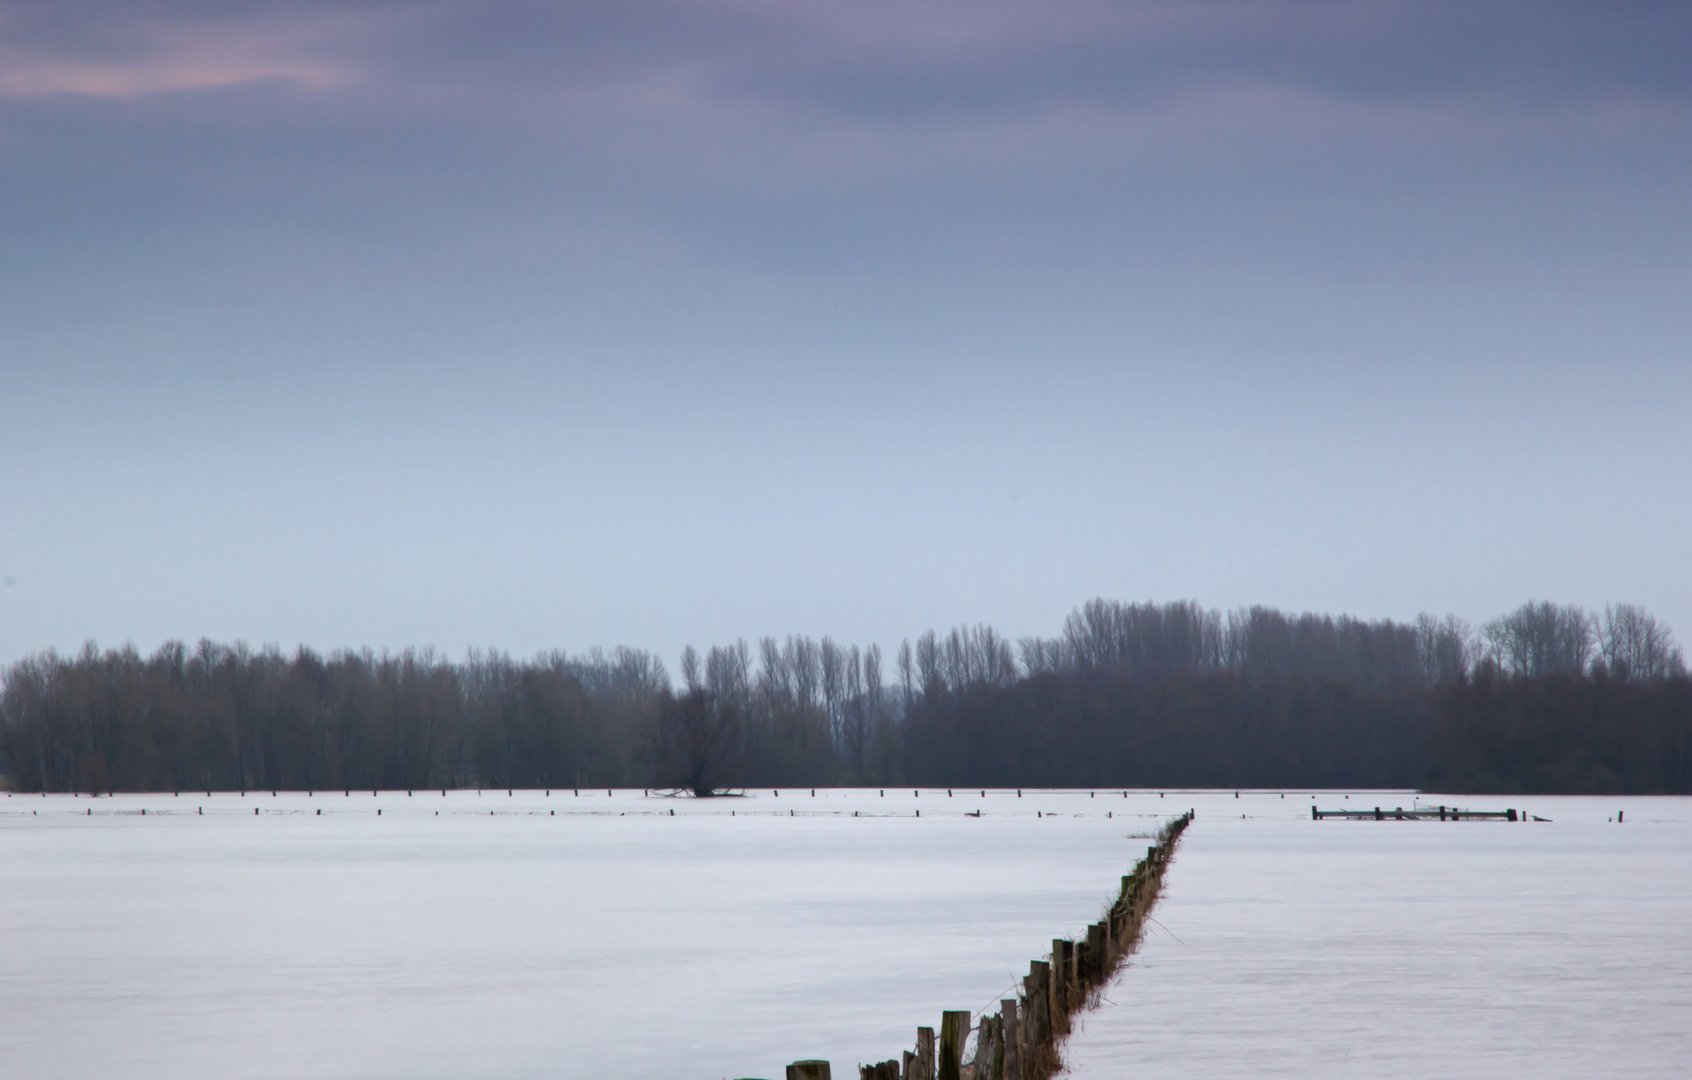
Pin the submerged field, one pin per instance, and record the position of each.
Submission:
(533, 934)
(1290, 948)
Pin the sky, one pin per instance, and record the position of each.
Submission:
(527, 325)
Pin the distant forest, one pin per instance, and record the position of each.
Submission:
(1549, 698)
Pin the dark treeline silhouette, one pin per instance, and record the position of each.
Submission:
(1549, 698)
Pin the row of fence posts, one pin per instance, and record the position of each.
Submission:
(1020, 1042)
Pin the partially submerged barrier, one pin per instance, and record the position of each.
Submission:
(1421, 813)
(1020, 1041)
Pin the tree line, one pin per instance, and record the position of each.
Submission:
(1547, 698)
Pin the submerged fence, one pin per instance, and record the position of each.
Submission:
(1021, 1041)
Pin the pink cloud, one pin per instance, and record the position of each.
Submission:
(156, 76)
(169, 57)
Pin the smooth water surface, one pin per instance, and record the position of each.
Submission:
(526, 935)
(1289, 948)
(596, 935)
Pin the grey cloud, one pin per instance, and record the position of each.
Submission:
(784, 135)
(880, 60)
(1505, 54)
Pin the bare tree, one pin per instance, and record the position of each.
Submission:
(695, 743)
(728, 673)
(1542, 638)
(803, 662)
(855, 717)
(994, 660)
(1037, 656)
(854, 673)
(775, 678)
(1634, 644)
(1444, 649)
(955, 661)
(872, 673)
(930, 670)
(907, 673)
(690, 669)
(833, 662)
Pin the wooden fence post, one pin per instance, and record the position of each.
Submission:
(1020, 1042)
(1012, 1069)
(954, 1032)
(808, 1070)
(989, 1060)
(1058, 994)
(925, 1052)
(1039, 996)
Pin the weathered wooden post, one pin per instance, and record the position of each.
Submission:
(1058, 989)
(1039, 997)
(808, 1070)
(1033, 1023)
(925, 1053)
(1011, 1037)
(989, 1051)
(910, 1070)
(954, 1032)
(1063, 970)
(1071, 980)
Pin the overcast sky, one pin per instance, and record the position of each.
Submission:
(534, 325)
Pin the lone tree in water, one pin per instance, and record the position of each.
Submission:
(695, 743)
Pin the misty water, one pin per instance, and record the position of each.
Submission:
(533, 934)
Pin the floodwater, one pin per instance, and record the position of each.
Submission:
(597, 935)
(1290, 948)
